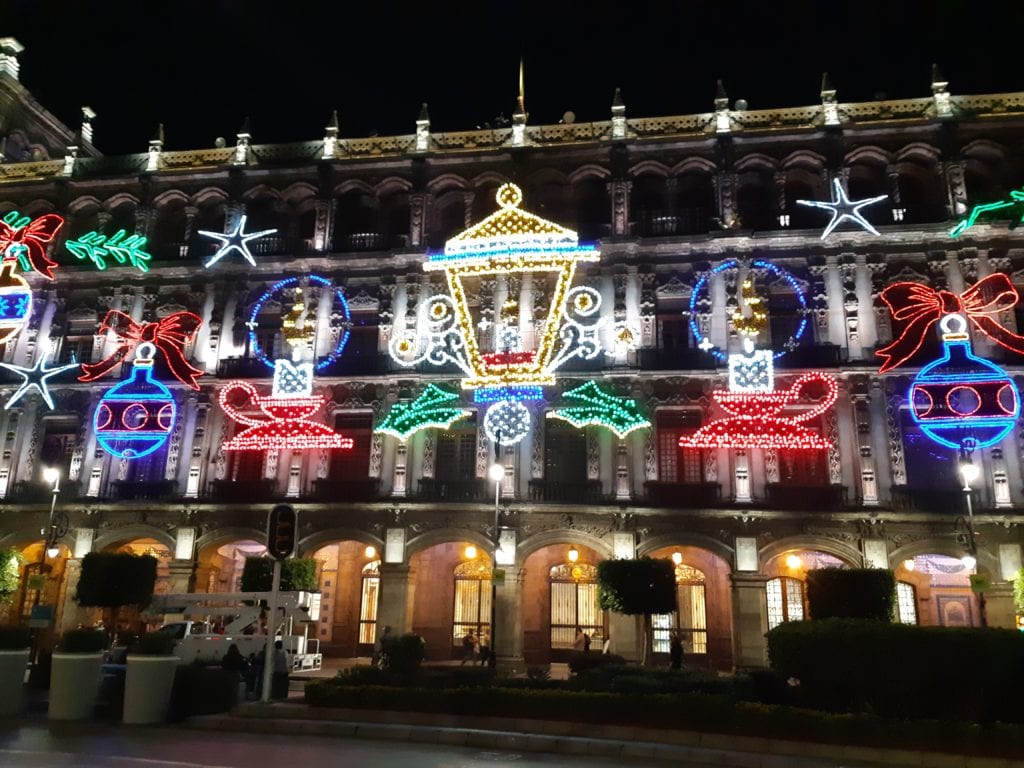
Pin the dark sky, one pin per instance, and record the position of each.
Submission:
(201, 66)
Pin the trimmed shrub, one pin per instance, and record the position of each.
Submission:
(82, 641)
(402, 654)
(895, 670)
(855, 593)
(10, 573)
(636, 587)
(200, 690)
(111, 580)
(582, 662)
(297, 573)
(14, 638)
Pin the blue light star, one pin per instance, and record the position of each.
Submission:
(844, 208)
(35, 377)
(236, 240)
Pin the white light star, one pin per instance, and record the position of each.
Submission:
(706, 344)
(235, 240)
(843, 208)
(35, 378)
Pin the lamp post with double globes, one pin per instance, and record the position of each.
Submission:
(969, 472)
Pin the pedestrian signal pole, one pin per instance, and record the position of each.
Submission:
(282, 528)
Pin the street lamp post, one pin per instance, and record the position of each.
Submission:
(496, 472)
(969, 472)
(51, 533)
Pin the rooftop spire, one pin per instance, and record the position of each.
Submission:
(723, 122)
(618, 116)
(520, 115)
(829, 106)
(9, 50)
(940, 94)
(423, 129)
(521, 99)
(331, 137)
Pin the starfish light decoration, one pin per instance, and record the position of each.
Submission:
(35, 378)
(236, 240)
(842, 208)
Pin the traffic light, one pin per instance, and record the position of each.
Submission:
(282, 526)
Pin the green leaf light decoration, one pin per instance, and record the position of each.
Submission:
(427, 410)
(1011, 210)
(120, 246)
(598, 408)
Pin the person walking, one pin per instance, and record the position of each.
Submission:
(467, 647)
(675, 651)
(377, 659)
(580, 641)
(485, 647)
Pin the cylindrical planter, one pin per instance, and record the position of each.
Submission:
(148, 683)
(12, 681)
(74, 683)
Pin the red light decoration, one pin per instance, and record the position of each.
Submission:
(921, 307)
(754, 419)
(168, 335)
(508, 358)
(284, 423)
(26, 240)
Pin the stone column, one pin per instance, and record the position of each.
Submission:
(182, 577)
(999, 607)
(397, 588)
(71, 614)
(627, 636)
(749, 620)
(508, 623)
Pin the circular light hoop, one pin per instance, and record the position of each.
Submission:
(165, 416)
(104, 416)
(778, 271)
(339, 301)
(921, 401)
(135, 416)
(1006, 398)
(583, 301)
(963, 400)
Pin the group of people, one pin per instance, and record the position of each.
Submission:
(251, 670)
(476, 647)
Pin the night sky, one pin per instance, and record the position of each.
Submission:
(201, 66)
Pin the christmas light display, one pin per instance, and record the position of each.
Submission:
(920, 307)
(509, 241)
(598, 408)
(168, 335)
(135, 418)
(844, 209)
(36, 378)
(433, 408)
(497, 394)
(25, 240)
(120, 246)
(235, 240)
(960, 398)
(1011, 210)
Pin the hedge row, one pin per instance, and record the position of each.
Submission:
(895, 670)
(699, 712)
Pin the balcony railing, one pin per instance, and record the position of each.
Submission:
(242, 490)
(361, 241)
(32, 492)
(806, 497)
(686, 221)
(346, 490)
(125, 490)
(944, 501)
(242, 368)
(585, 492)
(432, 489)
(683, 495)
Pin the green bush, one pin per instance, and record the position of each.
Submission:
(14, 638)
(82, 641)
(636, 587)
(114, 579)
(455, 677)
(582, 662)
(402, 654)
(200, 690)
(364, 676)
(855, 593)
(10, 573)
(896, 670)
(153, 644)
(297, 574)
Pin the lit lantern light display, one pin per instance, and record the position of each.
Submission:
(509, 241)
(284, 418)
(136, 417)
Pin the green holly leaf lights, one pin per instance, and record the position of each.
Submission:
(1011, 210)
(120, 246)
(430, 409)
(598, 408)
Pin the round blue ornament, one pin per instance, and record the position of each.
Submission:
(135, 418)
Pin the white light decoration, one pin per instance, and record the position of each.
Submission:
(35, 378)
(507, 422)
(842, 208)
(235, 240)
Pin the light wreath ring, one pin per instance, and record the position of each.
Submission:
(339, 303)
(582, 301)
(702, 286)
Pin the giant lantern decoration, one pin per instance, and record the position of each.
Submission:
(522, 357)
(758, 414)
(284, 419)
(959, 400)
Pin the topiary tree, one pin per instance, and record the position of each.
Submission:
(10, 573)
(641, 587)
(1018, 591)
(297, 573)
(851, 593)
(112, 580)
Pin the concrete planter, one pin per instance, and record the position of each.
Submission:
(74, 683)
(12, 681)
(147, 688)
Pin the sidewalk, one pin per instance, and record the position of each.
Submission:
(524, 735)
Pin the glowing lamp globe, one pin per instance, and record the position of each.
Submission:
(961, 397)
(135, 418)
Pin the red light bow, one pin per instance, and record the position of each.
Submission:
(168, 335)
(34, 237)
(921, 307)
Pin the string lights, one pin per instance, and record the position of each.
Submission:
(120, 246)
(844, 209)
(497, 394)
(235, 240)
(24, 240)
(598, 408)
(36, 378)
(1011, 210)
(433, 408)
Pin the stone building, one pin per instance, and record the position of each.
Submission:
(404, 530)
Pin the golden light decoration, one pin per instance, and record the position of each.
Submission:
(573, 554)
(757, 321)
(470, 552)
(677, 558)
(370, 552)
(793, 562)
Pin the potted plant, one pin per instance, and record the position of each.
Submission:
(14, 652)
(77, 669)
(149, 680)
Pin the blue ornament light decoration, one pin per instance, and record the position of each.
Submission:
(136, 417)
(961, 399)
(512, 393)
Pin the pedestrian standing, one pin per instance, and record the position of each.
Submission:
(675, 651)
(279, 680)
(485, 647)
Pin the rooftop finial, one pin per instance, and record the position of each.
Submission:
(829, 105)
(940, 94)
(331, 137)
(618, 116)
(720, 94)
(9, 50)
(937, 79)
(520, 115)
(521, 98)
(87, 116)
(723, 122)
(244, 138)
(156, 147)
(423, 129)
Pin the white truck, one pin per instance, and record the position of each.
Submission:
(205, 625)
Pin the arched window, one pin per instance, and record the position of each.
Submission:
(368, 603)
(472, 599)
(574, 604)
(906, 602)
(690, 619)
(785, 600)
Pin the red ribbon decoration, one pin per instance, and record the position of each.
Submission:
(921, 307)
(168, 335)
(35, 236)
